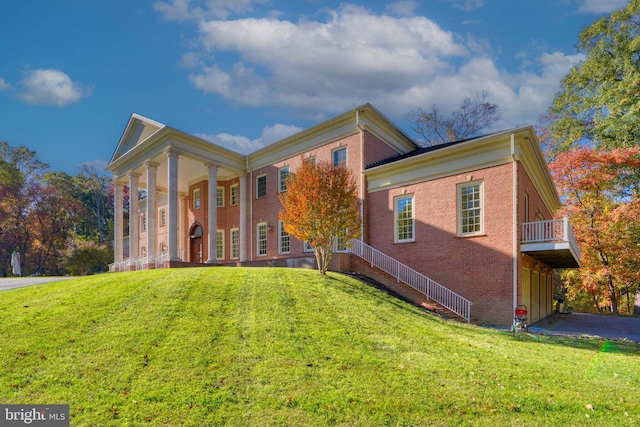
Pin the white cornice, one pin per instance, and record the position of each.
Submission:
(187, 145)
(132, 124)
(535, 164)
(365, 117)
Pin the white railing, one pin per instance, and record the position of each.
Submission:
(553, 230)
(140, 263)
(548, 231)
(418, 281)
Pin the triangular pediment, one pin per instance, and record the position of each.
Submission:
(138, 130)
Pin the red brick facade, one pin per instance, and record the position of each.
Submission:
(485, 267)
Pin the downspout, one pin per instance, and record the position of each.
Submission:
(515, 222)
(361, 172)
(250, 173)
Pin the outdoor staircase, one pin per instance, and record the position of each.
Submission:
(438, 297)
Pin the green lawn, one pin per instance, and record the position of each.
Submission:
(264, 347)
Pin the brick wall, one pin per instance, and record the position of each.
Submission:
(478, 268)
(266, 209)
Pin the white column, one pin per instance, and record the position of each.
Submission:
(243, 218)
(212, 218)
(180, 232)
(118, 221)
(152, 210)
(172, 203)
(134, 235)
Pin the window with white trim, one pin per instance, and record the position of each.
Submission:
(220, 245)
(261, 186)
(235, 243)
(470, 209)
(308, 247)
(163, 217)
(235, 194)
(143, 222)
(196, 198)
(283, 175)
(284, 243)
(403, 211)
(340, 157)
(341, 244)
(220, 197)
(261, 239)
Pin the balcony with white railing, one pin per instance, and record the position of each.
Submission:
(551, 242)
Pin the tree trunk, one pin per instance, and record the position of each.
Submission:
(323, 257)
(612, 291)
(636, 306)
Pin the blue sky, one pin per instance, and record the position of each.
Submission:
(244, 73)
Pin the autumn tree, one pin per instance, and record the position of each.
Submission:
(20, 175)
(473, 115)
(605, 221)
(51, 224)
(321, 207)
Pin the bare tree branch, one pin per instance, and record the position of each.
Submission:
(474, 114)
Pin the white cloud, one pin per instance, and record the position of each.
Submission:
(244, 145)
(175, 10)
(315, 65)
(601, 6)
(3, 84)
(403, 7)
(521, 97)
(51, 87)
(319, 67)
(180, 10)
(467, 5)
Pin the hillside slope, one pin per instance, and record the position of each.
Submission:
(254, 347)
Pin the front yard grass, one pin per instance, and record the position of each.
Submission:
(270, 346)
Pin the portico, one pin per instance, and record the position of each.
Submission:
(160, 166)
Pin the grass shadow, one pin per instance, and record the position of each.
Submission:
(581, 342)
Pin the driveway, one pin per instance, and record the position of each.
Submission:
(7, 283)
(613, 327)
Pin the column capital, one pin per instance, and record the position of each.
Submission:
(151, 165)
(134, 175)
(212, 165)
(117, 181)
(171, 152)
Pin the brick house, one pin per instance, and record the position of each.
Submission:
(468, 224)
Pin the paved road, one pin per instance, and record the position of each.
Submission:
(20, 282)
(613, 327)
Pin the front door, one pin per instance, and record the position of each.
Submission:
(195, 243)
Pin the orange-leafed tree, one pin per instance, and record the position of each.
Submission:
(321, 207)
(601, 197)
